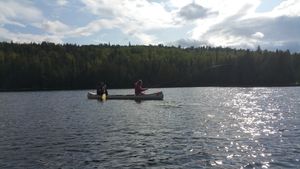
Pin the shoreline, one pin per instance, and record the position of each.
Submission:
(70, 89)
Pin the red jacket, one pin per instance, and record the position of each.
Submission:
(138, 89)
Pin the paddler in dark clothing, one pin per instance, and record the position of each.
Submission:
(138, 88)
(102, 89)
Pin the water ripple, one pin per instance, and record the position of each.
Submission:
(192, 128)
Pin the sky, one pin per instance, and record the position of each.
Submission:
(270, 24)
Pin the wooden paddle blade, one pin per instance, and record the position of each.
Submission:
(103, 97)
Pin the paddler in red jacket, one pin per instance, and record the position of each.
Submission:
(138, 88)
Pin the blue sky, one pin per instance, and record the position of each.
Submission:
(272, 24)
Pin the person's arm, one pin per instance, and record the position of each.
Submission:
(142, 89)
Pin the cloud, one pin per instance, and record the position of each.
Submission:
(134, 17)
(194, 11)
(23, 14)
(177, 4)
(243, 28)
(94, 27)
(228, 23)
(149, 15)
(258, 35)
(18, 13)
(62, 2)
(287, 8)
(247, 33)
(188, 43)
(54, 27)
(6, 35)
(146, 39)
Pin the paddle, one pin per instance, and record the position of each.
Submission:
(103, 97)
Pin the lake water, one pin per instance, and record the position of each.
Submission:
(207, 127)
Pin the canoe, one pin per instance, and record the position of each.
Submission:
(152, 96)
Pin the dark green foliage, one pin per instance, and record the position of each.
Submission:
(51, 66)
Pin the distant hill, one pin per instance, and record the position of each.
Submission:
(54, 66)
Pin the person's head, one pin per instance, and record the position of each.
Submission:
(140, 82)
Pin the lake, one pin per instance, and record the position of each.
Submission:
(206, 127)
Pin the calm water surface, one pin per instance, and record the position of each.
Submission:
(192, 128)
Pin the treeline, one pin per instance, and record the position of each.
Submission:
(54, 66)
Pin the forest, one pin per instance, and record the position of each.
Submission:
(49, 66)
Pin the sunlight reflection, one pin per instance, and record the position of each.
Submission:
(255, 113)
(254, 116)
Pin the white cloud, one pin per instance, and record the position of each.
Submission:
(6, 35)
(18, 13)
(238, 25)
(4, 21)
(134, 17)
(94, 27)
(54, 27)
(258, 35)
(176, 4)
(62, 2)
(146, 39)
(287, 8)
(24, 14)
(226, 9)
